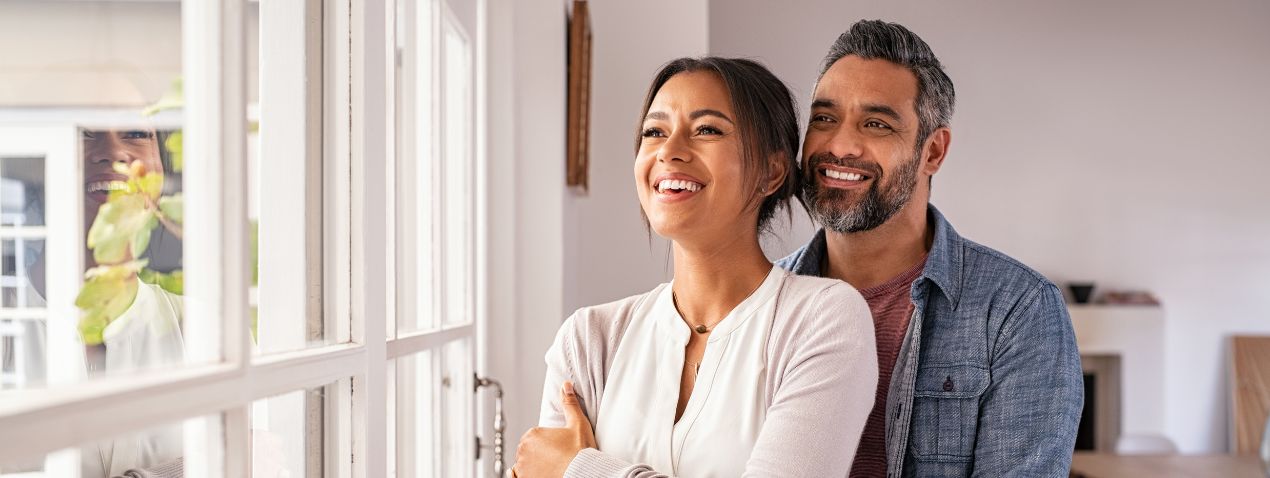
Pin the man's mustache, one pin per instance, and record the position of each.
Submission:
(872, 167)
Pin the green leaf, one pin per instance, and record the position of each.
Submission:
(141, 240)
(255, 253)
(106, 295)
(151, 184)
(176, 149)
(171, 99)
(122, 225)
(173, 207)
(255, 321)
(173, 282)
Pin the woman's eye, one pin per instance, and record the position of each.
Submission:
(709, 130)
(137, 134)
(652, 133)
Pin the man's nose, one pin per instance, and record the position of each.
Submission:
(844, 143)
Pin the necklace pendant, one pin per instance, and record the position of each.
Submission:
(701, 329)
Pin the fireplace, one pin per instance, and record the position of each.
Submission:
(1122, 354)
(1100, 421)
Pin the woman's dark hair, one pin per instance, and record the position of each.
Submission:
(765, 118)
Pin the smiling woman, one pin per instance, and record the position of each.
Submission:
(758, 354)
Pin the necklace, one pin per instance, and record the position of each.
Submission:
(699, 328)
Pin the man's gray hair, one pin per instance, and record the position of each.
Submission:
(876, 39)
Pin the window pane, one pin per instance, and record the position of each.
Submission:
(287, 434)
(459, 182)
(91, 190)
(433, 412)
(20, 269)
(285, 177)
(417, 147)
(435, 173)
(21, 191)
(159, 451)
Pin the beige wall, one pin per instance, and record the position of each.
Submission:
(94, 54)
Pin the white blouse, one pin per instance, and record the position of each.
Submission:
(786, 383)
(726, 409)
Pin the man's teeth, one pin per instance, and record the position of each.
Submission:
(844, 176)
(106, 186)
(677, 184)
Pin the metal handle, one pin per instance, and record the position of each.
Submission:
(500, 423)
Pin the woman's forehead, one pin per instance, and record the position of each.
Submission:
(692, 90)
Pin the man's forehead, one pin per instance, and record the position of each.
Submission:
(852, 81)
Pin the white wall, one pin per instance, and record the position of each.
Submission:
(525, 117)
(1120, 142)
(609, 252)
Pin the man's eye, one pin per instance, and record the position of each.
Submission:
(652, 133)
(876, 124)
(821, 119)
(709, 130)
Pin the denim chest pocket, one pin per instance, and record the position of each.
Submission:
(946, 411)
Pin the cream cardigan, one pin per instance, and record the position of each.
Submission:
(818, 378)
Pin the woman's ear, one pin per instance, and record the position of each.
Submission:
(778, 170)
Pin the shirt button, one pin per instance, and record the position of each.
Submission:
(948, 384)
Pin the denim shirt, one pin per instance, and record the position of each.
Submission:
(988, 379)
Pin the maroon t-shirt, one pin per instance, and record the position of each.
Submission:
(892, 308)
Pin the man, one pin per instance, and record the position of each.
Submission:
(979, 372)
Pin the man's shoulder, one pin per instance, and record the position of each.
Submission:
(1007, 294)
(989, 272)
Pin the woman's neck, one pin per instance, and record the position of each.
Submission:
(711, 279)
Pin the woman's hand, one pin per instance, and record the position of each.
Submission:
(547, 452)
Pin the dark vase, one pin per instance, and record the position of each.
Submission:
(1081, 291)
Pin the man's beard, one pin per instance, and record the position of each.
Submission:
(829, 207)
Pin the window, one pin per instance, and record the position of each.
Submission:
(435, 240)
(204, 261)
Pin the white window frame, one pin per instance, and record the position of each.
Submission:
(345, 131)
(57, 146)
(223, 378)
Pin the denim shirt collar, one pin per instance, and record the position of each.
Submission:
(943, 264)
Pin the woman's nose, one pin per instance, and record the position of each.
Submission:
(675, 148)
(104, 148)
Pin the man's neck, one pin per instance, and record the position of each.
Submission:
(871, 258)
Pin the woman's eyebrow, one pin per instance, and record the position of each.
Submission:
(662, 116)
(709, 112)
(657, 115)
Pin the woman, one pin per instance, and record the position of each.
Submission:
(735, 367)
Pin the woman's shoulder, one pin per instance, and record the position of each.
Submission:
(823, 290)
(816, 300)
(604, 324)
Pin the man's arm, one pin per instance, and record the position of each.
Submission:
(1029, 415)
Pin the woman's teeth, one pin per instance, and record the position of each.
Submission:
(843, 176)
(106, 186)
(677, 184)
